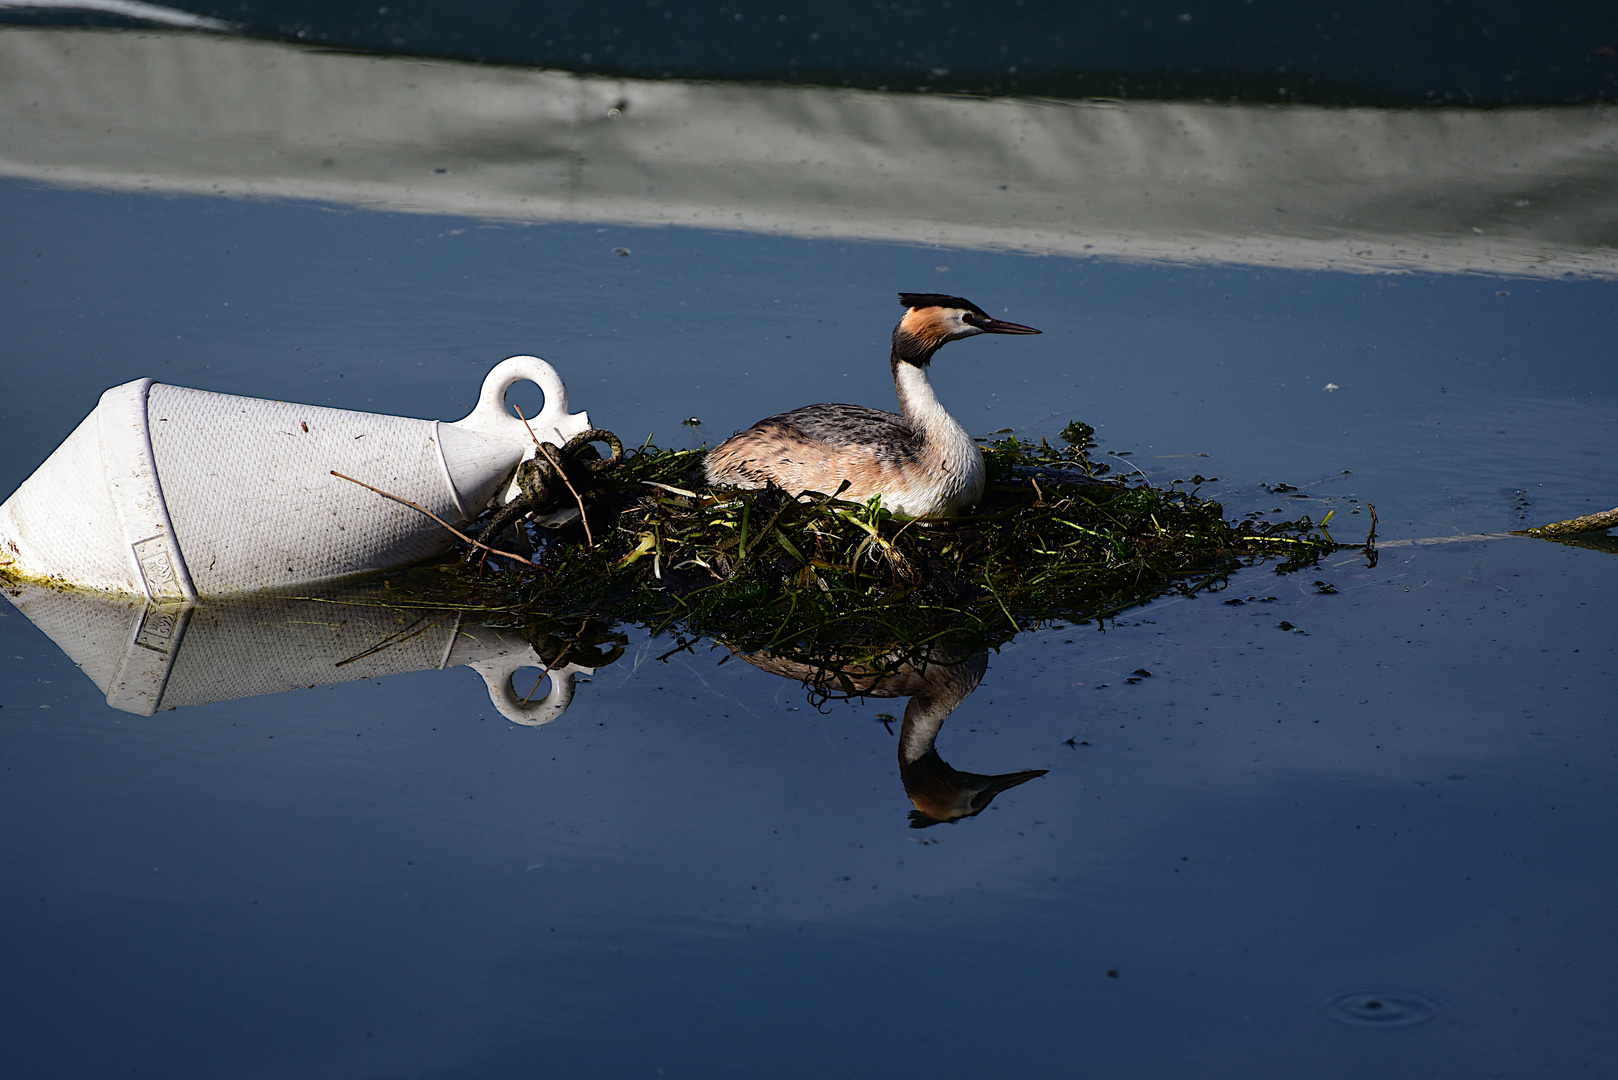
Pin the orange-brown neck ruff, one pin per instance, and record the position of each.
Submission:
(921, 333)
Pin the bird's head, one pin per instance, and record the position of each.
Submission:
(933, 320)
(941, 794)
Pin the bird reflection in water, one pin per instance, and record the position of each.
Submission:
(939, 792)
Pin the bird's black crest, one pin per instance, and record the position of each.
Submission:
(927, 299)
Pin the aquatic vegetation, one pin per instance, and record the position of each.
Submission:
(1055, 540)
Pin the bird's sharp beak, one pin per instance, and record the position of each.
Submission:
(995, 326)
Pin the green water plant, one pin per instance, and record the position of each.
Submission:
(1056, 539)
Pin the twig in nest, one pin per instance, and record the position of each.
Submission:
(583, 516)
(435, 517)
(526, 424)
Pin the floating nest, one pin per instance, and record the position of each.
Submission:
(839, 584)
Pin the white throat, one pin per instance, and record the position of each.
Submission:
(948, 452)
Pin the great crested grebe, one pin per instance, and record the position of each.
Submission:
(920, 460)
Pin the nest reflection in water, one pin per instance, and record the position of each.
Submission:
(848, 599)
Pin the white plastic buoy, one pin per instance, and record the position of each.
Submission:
(174, 494)
(146, 657)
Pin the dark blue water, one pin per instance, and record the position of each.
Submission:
(1406, 797)
(1396, 52)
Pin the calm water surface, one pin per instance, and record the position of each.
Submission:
(1401, 803)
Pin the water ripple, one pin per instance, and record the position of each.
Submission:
(1380, 1008)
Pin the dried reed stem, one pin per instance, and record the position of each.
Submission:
(435, 517)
